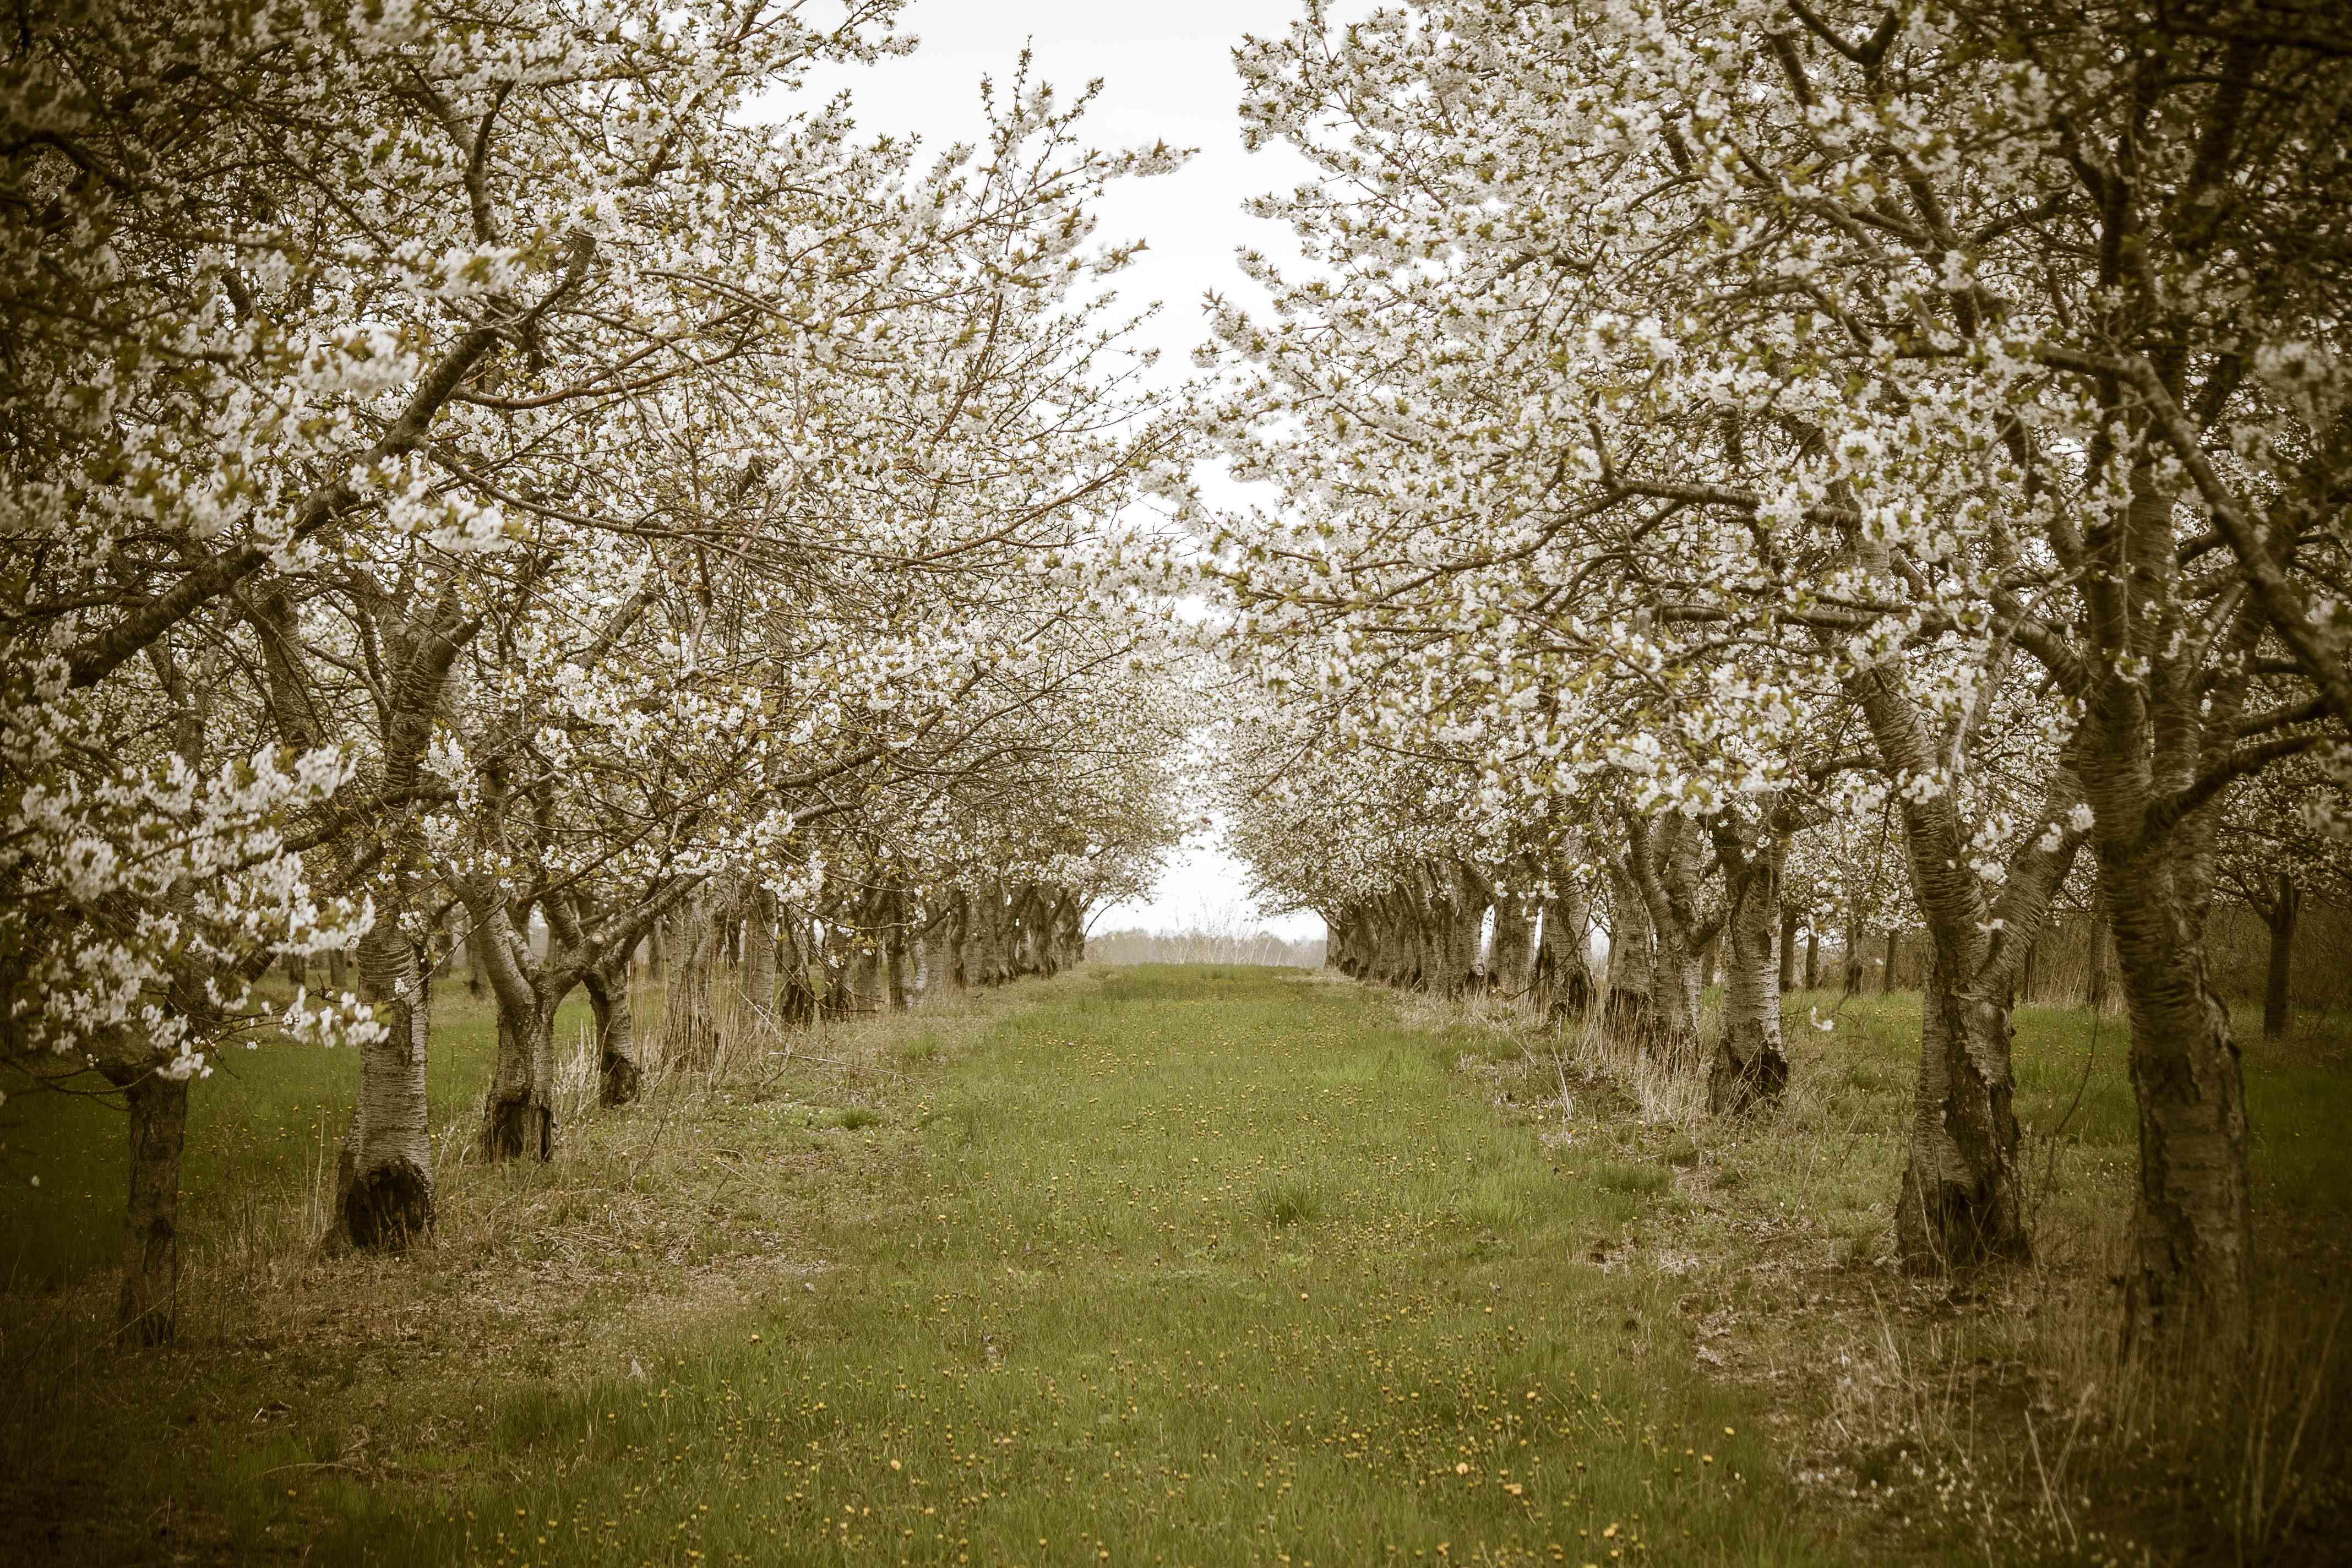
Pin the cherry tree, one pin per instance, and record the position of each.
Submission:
(1700, 377)
(389, 386)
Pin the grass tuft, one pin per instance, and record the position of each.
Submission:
(1641, 1179)
(1286, 1203)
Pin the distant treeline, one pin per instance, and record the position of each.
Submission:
(1204, 947)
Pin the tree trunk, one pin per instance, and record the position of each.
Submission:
(954, 943)
(1790, 921)
(1412, 942)
(690, 1027)
(983, 959)
(1813, 958)
(619, 1073)
(517, 1113)
(2099, 982)
(148, 1308)
(1675, 996)
(2278, 1001)
(1665, 860)
(339, 971)
(384, 1178)
(760, 951)
(1633, 966)
(801, 964)
(1749, 1063)
(898, 979)
(2189, 1287)
(1886, 977)
(1458, 911)
(1962, 1202)
(2159, 713)
(867, 977)
(1856, 932)
(1563, 968)
(1511, 957)
(453, 928)
(1392, 949)
(1071, 917)
(518, 1116)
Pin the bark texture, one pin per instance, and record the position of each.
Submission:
(383, 1177)
(1962, 1202)
(2189, 1287)
(1665, 860)
(148, 1308)
(760, 951)
(1632, 973)
(1563, 968)
(1749, 1064)
(2278, 999)
(620, 1074)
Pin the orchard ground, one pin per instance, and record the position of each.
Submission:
(1160, 1265)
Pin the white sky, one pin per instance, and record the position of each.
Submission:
(1168, 76)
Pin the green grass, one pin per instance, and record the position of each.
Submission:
(1182, 1266)
(1202, 1267)
(1179, 1265)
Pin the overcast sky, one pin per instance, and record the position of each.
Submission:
(1168, 76)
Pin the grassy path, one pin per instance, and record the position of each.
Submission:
(1192, 1267)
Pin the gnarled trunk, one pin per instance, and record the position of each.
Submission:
(1749, 1064)
(2279, 916)
(384, 1178)
(518, 1114)
(2189, 1286)
(1962, 1202)
(1511, 952)
(689, 1030)
(1563, 967)
(1632, 958)
(984, 959)
(620, 1075)
(869, 978)
(2099, 979)
(760, 951)
(148, 1308)
(1457, 918)
(899, 961)
(1070, 928)
(802, 967)
(519, 1110)
(953, 940)
(1664, 859)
